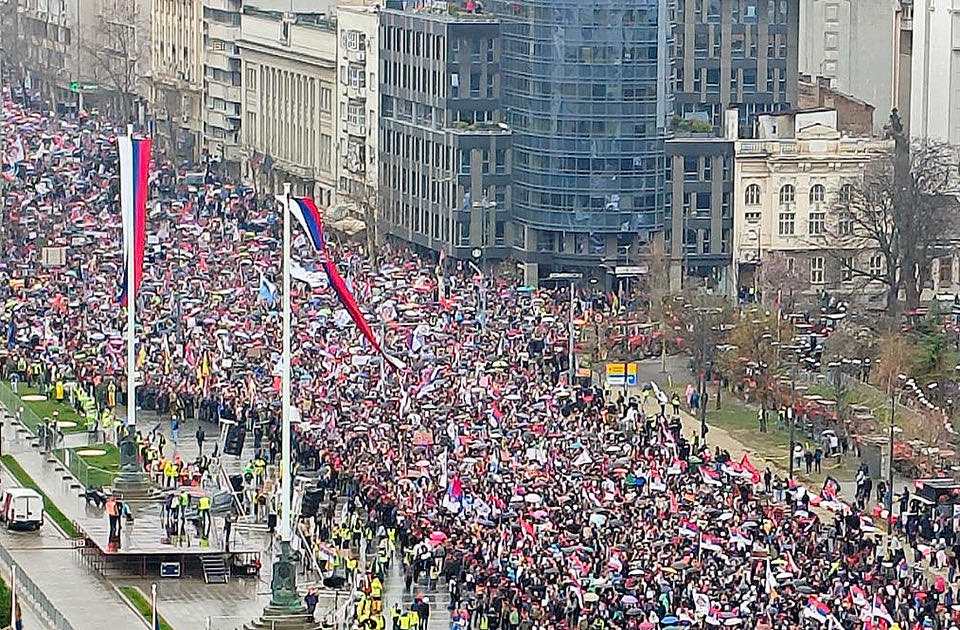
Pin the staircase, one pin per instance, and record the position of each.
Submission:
(214, 569)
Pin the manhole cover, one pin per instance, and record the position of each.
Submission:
(91, 452)
(33, 398)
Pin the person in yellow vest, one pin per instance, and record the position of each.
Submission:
(170, 473)
(58, 391)
(376, 594)
(414, 618)
(405, 622)
(203, 511)
(112, 395)
(351, 568)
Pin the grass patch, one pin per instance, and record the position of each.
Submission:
(97, 470)
(45, 409)
(52, 510)
(143, 605)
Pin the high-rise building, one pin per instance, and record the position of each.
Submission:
(358, 69)
(444, 149)
(935, 73)
(177, 75)
(585, 93)
(851, 43)
(739, 54)
(289, 82)
(221, 78)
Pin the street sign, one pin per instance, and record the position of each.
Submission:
(630, 270)
(631, 374)
(565, 275)
(76, 86)
(616, 374)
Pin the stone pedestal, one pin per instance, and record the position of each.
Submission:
(132, 483)
(282, 619)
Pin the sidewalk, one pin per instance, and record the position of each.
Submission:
(84, 597)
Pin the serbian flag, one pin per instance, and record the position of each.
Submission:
(816, 609)
(308, 214)
(710, 476)
(739, 537)
(689, 529)
(134, 190)
(350, 303)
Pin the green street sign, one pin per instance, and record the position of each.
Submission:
(76, 86)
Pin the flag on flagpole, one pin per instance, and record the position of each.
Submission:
(307, 212)
(134, 190)
(268, 291)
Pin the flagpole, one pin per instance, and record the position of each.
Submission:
(13, 596)
(286, 468)
(131, 332)
(156, 616)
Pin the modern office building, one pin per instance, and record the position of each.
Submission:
(738, 54)
(176, 98)
(698, 237)
(444, 149)
(585, 93)
(851, 43)
(289, 83)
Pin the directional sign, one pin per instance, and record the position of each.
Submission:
(76, 86)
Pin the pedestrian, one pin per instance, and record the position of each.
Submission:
(200, 437)
(227, 527)
(175, 429)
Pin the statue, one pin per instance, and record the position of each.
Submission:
(283, 586)
(128, 454)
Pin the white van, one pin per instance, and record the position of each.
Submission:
(21, 508)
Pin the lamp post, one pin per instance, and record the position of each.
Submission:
(476, 253)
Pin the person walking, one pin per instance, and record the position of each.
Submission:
(201, 435)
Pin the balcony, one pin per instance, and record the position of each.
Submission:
(355, 129)
(223, 32)
(222, 120)
(226, 92)
(355, 92)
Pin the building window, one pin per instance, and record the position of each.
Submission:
(846, 193)
(845, 224)
(817, 220)
(501, 164)
(816, 270)
(752, 195)
(326, 97)
(788, 194)
(251, 77)
(691, 168)
(817, 193)
(876, 267)
(846, 268)
(787, 223)
(752, 217)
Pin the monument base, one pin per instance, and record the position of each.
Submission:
(274, 618)
(135, 487)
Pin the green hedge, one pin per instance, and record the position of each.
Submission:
(143, 605)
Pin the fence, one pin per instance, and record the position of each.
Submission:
(26, 587)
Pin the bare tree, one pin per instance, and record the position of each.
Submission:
(902, 209)
(751, 350)
(365, 200)
(895, 355)
(116, 54)
(777, 273)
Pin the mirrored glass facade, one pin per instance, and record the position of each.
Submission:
(585, 91)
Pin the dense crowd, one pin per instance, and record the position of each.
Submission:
(533, 501)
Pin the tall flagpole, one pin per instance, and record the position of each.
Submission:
(13, 596)
(286, 468)
(156, 616)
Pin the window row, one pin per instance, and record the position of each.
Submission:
(787, 195)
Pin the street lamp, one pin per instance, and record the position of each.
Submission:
(477, 253)
(571, 276)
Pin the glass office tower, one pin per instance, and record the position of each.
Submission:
(585, 91)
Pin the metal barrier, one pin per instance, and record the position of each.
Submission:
(89, 476)
(26, 587)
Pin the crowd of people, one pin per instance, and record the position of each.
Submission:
(531, 499)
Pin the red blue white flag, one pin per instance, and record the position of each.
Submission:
(134, 192)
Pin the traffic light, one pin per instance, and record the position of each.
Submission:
(233, 445)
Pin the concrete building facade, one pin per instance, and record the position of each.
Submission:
(358, 89)
(739, 54)
(790, 184)
(852, 43)
(935, 71)
(444, 152)
(222, 83)
(699, 235)
(854, 116)
(288, 107)
(177, 76)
